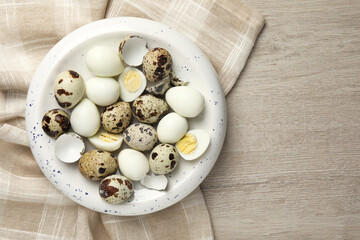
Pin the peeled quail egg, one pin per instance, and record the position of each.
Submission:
(132, 84)
(163, 159)
(193, 144)
(97, 164)
(157, 182)
(172, 128)
(104, 140)
(102, 91)
(104, 62)
(133, 164)
(85, 118)
(185, 100)
(157, 64)
(69, 147)
(115, 189)
(55, 122)
(140, 136)
(132, 50)
(149, 109)
(69, 89)
(115, 118)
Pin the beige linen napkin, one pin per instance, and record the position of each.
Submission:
(30, 207)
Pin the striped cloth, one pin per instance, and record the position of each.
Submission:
(30, 207)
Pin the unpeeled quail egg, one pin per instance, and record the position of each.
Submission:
(116, 117)
(69, 89)
(132, 84)
(140, 136)
(133, 164)
(104, 140)
(115, 189)
(55, 122)
(172, 128)
(193, 144)
(104, 62)
(185, 100)
(163, 159)
(102, 91)
(157, 64)
(149, 109)
(85, 118)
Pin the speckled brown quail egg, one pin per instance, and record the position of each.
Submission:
(55, 122)
(69, 89)
(140, 136)
(96, 164)
(163, 159)
(115, 189)
(157, 64)
(132, 50)
(115, 118)
(149, 109)
(160, 87)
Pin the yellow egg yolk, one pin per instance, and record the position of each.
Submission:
(108, 137)
(187, 144)
(132, 81)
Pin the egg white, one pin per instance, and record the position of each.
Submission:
(125, 95)
(203, 141)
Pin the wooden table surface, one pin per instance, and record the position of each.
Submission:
(290, 166)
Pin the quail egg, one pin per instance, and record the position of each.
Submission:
(69, 89)
(85, 118)
(157, 64)
(193, 144)
(172, 128)
(115, 189)
(115, 118)
(160, 87)
(97, 164)
(132, 84)
(104, 140)
(140, 136)
(55, 122)
(104, 62)
(149, 109)
(102, 91)
(133, 164)
(163, 159)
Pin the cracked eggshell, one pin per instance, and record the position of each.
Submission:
(152, 181)
(157, 64)
(85, 118)
(104, 62)
(115, 189)
(102, 91)
(163, 159)
(132, 50)
(69, 147)
(133, 164)
(69, 88)
(160, 87)
(55, 122)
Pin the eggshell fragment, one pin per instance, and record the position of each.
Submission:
(69, 147)
(185, 100)
(132, 50)
(157, 182)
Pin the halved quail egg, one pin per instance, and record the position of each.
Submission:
(132, 50)
(69, 147)
(132, 84)
(193, 144)
(104, 140)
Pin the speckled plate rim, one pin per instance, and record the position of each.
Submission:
(40, 144)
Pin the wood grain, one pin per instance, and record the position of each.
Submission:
(290, 166)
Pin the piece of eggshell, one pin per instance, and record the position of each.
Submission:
(185, 100)
(85, 118)
(152, 181)
(104, 140)
(132, 50)
(69, 147)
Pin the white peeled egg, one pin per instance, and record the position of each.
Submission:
(132, 84)
(106, 141)
(85, 118)
(133, 164)
(132, 50)
(69, 147)
(185, 100)
(102, 91)
(104, 62)
(193, 144)
(153, 181)
(172, 128)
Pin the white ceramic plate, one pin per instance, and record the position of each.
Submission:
(189, 63)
